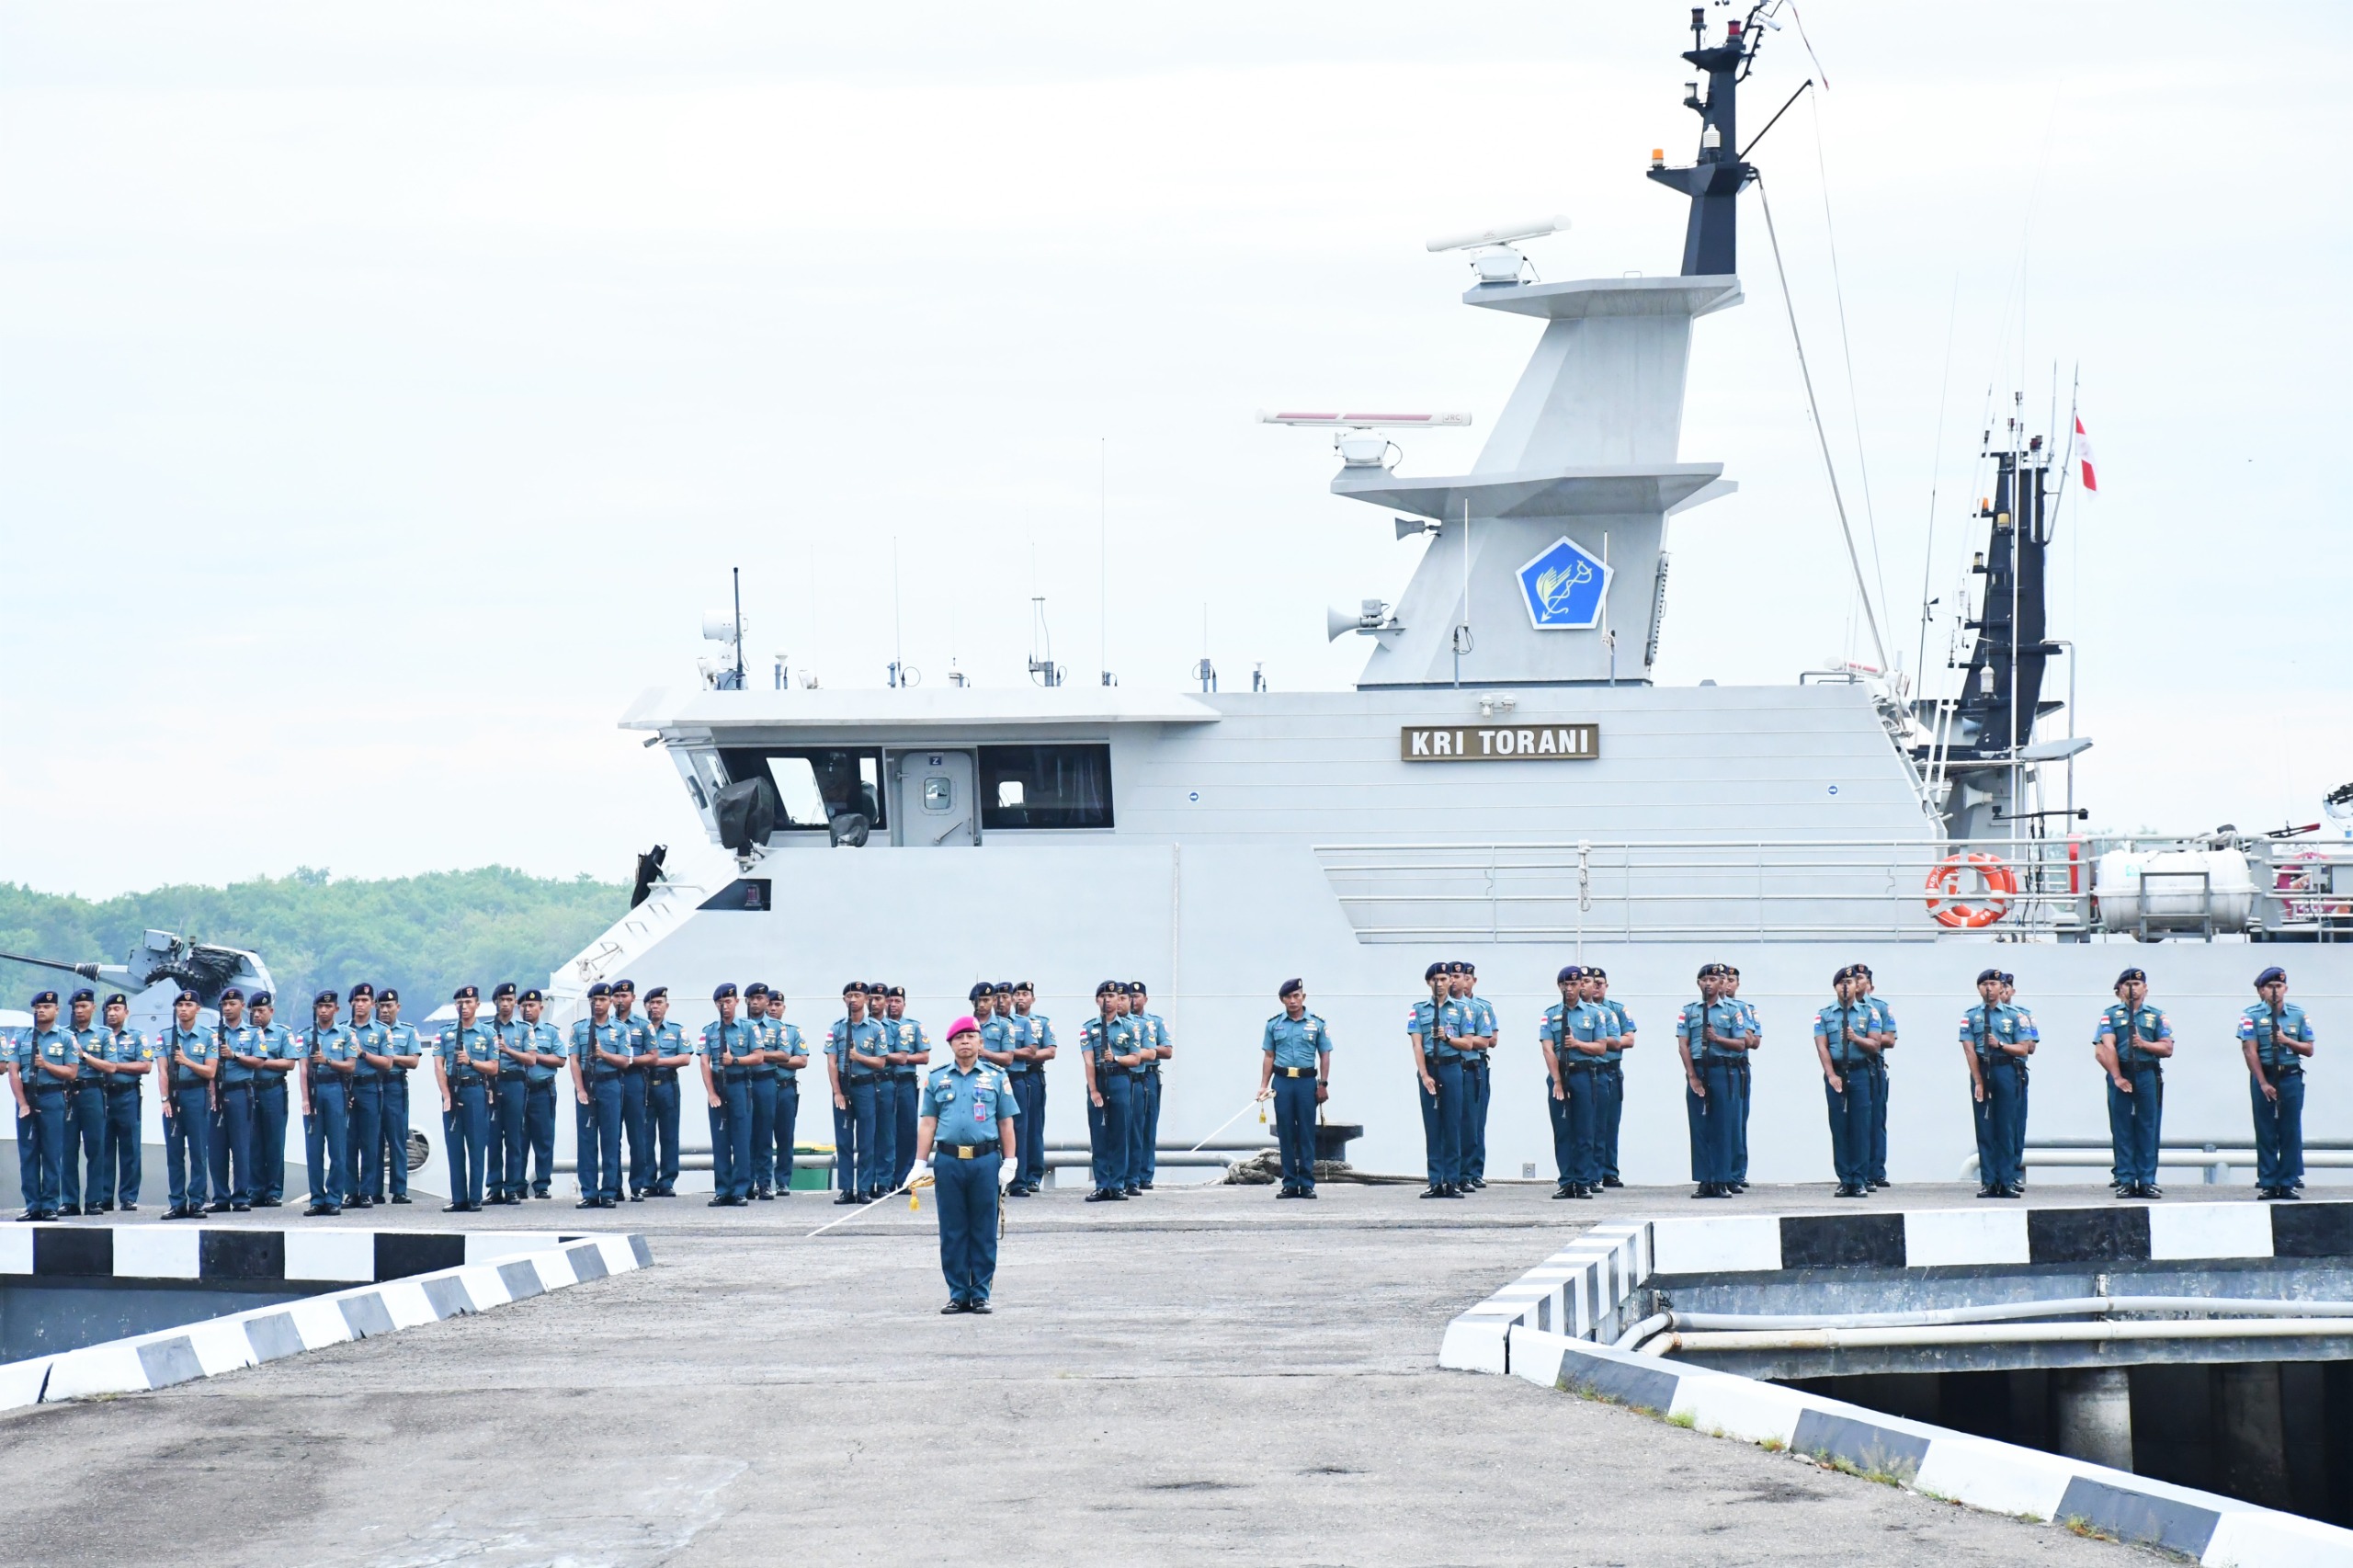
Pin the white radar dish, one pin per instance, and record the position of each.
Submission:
(1501, 234)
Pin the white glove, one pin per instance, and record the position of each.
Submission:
(917, 1171)
(1005, 1173)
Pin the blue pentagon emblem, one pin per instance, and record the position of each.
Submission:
(1565, 588)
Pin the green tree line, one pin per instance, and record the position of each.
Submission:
(427, 934)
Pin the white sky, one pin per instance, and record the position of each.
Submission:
(386, 389)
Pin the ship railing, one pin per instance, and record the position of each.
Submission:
(1824, 888)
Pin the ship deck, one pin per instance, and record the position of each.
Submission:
(1202, 1375)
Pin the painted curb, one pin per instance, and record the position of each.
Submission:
(1541, 1328)
(148, 1361)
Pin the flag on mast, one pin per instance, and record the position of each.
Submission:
(2083, 448)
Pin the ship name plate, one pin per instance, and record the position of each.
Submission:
(1499, 743)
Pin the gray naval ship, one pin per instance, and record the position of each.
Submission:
(1507, 783)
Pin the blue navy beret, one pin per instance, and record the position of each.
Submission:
(898, 991)
(2008, 979)
(757, 988)
(2269, 975)
(1433, 972)
(87, 994)
(874, 988)
(259, 999)
(1844, 975)
(226, 993)
(324, 999)
(855, 987)
(724, 993)
(44, 998)
(628, 986)
(465, 994)
(532, 996)
(189, 996)
(503, 990)
(363, 989)
(1568, 972)
(1864, 969)
(2132, 974)
(658, 991)
(599, 989)
(119, 1000)
(1023, 986)
(1135, 988)
(1985, 974)
(1595, 972)
(1106, 989)
(1288, 986)
(1004, 988)
(388, 994)
(982, 988)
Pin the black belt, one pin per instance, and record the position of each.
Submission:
(663, 1074)
(470, 1081)
(2285, 1070)
(1294, 1072)
(734, 1075)
(47, 1089)
(965, 1151)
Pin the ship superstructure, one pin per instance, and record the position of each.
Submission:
(1505, 783)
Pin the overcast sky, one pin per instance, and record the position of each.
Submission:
(386, 389)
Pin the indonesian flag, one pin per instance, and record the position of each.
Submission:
(2084, 447)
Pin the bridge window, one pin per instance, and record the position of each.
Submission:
(816, 783)
(1045, 787)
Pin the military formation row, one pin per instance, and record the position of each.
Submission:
(1585, 1035)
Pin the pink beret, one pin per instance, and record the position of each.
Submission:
(963, 1026)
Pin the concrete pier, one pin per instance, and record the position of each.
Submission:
(2095, 1414)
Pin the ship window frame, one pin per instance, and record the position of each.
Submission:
(757, 762)
(999, 763)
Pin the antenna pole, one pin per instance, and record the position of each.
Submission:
(898, 622)
(737, 573)
(1103, 557)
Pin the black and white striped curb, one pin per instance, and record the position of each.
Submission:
(225, 1344)
(1949, 1465)
(1986, 1238)
(1543, 1326)
(333, 1253)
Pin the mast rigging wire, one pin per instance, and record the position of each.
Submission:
(1854, 558)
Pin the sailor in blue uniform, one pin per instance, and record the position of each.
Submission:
(1478, 1044)
(2131, 1043)
(1612, 1079)
(964, 1138)
(236, 1042)
(190, 1063)
(328, 1063)
(600, 1054)
(1431, 1024)
(280, 1052)
(365, 1089)
(788, 1054)
(671, 1052)
(853, 1056)
(402, 1052)
(126, 1059)
(1751, 1035)
(48, 1064)
(1995, 1046)
(1028, 1073)
(1137, 1058)
(1152, 1031)
(759, 1092)
(1583, 1040)
(711, 1050)
(510, 1098)
(1551, 1034)
(637, 1122)
(1295, 1070)
(1100, 1040)
(908, 1049)
(466, 1061)
(1710, 1043)
(1866, 990)
(20, 1058)
(1846, 1038)
(86, 1104)
(2275, 1037)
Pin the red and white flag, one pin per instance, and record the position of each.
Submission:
(2083, 452)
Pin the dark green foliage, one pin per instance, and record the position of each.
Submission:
(427, 934)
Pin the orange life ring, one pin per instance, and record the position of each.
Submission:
(1960, 907)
